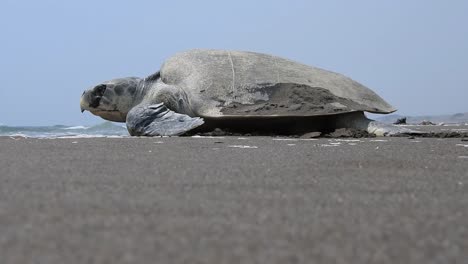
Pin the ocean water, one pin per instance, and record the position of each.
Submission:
(107, 129)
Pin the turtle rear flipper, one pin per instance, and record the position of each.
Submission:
(358, 120)
(382, 129)
(158, 120)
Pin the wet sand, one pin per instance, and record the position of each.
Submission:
(233, 200)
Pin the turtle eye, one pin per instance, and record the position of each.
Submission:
(100, 89)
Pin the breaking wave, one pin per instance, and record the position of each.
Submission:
(107, 129)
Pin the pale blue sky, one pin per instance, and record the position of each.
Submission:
(413, 53)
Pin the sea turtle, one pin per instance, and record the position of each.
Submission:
(237, 89)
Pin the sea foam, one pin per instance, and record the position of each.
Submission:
(107, 129)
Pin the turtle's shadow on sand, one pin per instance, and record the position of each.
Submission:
(337, 133)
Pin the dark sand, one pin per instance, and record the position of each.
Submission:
(286, 99)
(231, 200)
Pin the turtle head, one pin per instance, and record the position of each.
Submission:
(111, 100)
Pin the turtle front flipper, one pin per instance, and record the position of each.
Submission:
(158, 120)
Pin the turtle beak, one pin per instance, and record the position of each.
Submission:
(82, 103)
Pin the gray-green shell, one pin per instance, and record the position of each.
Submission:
(235, 83)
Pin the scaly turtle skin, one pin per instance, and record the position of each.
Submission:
(224, 87)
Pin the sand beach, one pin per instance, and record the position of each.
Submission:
(234, 200)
